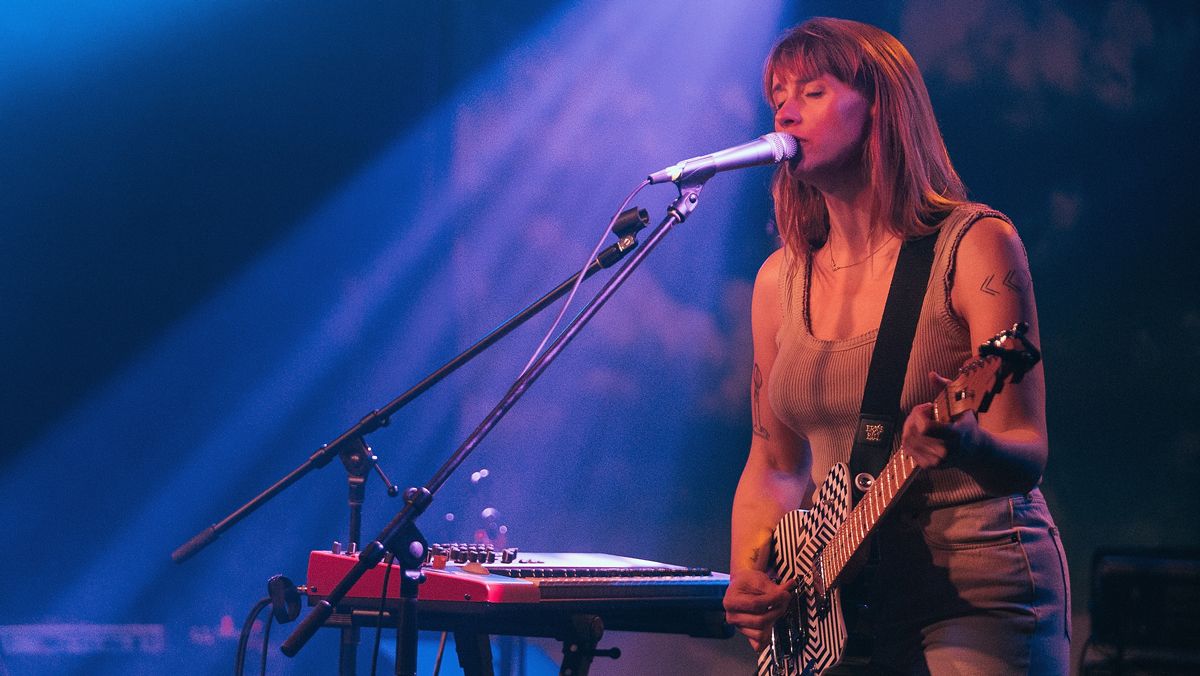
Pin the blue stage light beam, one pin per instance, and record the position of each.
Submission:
(495, 196)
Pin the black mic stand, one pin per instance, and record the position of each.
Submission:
(401, 536)
(628, 224)
(358, 458)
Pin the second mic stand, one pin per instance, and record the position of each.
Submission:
(359, 460)
(401, 536)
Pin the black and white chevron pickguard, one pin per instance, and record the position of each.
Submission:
(812, 635)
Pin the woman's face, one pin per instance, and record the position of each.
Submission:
(828, 118)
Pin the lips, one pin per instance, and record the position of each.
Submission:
(799, 156)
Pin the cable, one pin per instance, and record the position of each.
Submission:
(266, 644)
(387, 572)
(579, 280)
(239, 661)
(437, 664)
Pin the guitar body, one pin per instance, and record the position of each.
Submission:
(811, 637)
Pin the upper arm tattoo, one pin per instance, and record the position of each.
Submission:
(1014, 282)
(756, 407)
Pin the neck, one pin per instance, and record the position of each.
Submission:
(850, 220)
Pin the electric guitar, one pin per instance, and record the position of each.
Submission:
(813, 547)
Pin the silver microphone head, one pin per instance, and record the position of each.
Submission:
(783, 146)
(767, 149)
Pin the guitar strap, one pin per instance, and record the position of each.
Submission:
(880, 411)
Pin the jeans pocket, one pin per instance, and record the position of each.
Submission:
(978, 541)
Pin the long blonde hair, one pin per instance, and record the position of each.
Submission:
(914, 185)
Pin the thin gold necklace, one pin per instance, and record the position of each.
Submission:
(837, 267)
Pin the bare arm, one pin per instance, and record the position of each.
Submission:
(992, 291)
(774, 481)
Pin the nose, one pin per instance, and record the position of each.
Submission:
(787, 117)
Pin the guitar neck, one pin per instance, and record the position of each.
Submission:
(891, 483)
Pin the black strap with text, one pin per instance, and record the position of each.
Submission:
(880, 411)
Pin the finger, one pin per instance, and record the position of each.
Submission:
(764, 617)
(750, 626)
(938, 380)
(757, 638)
(757, 605)
(924, 410)
(926, 455)
(918, 420)
(760, 603)
(921, 423)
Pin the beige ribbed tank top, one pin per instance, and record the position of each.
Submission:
(817, 385)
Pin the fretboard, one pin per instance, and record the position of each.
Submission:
(971, 391)
(895, 477)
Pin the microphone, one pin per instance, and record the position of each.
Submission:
(766, 149)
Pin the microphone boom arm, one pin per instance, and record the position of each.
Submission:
(628, 224)
(402, 526)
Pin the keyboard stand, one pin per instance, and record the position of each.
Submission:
(579, 637)
(474, 653)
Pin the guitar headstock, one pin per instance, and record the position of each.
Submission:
(1016, 353)
(1007, 356)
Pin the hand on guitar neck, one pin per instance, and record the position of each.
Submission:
(929, 437)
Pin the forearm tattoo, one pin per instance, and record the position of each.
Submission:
(756, 407)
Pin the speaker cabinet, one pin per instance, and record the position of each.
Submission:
(1145, 612)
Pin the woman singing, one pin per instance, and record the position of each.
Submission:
(972, 578)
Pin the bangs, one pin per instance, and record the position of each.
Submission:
(807, 53)
(904, 161)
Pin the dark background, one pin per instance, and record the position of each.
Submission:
(228, 232)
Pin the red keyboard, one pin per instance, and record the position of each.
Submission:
(528, 578)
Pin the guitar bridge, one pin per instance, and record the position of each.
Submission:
(789, 635)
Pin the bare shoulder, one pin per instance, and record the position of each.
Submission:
(766, 304)
(992, 285)
(766, 283)
(771, 269)
(990, 241)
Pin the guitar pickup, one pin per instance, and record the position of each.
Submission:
(820, 591)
